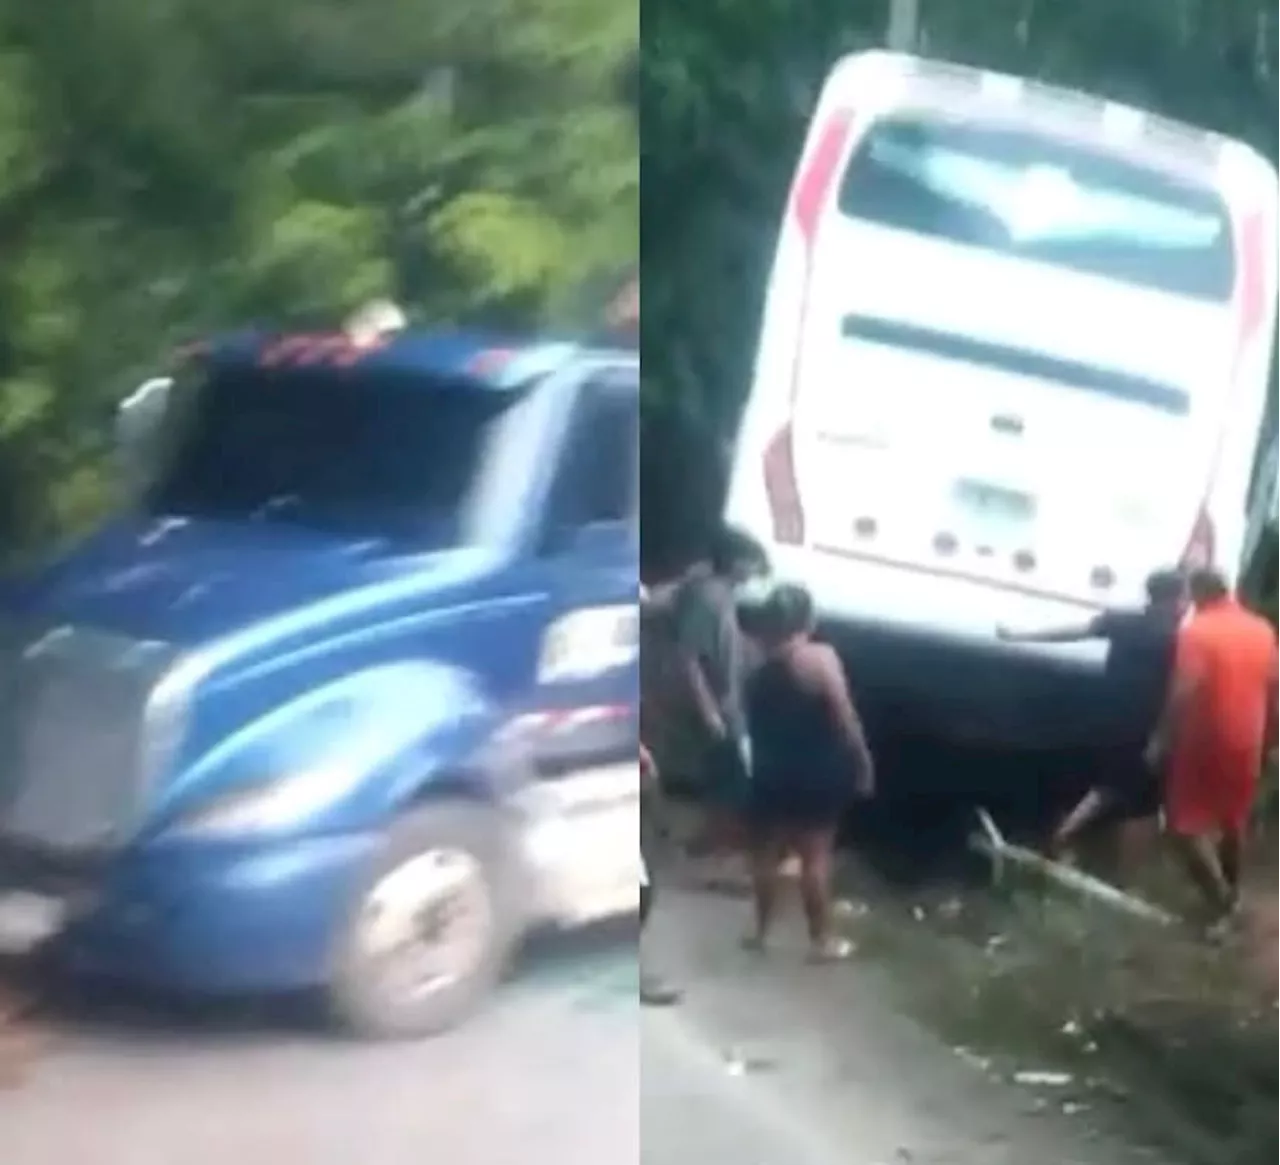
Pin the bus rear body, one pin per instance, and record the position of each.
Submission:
(1015, 355)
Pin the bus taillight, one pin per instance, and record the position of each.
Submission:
(781, 490)
(819, 172)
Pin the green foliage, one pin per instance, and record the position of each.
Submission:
(171, 167)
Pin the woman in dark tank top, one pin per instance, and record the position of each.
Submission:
(809, 762)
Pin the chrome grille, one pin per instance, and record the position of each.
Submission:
(73, 726)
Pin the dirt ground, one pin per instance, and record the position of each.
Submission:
(1175, 1037)
(125, 1079)
(823, 1065)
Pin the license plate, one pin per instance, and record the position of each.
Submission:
(994, 507)
(28, 920)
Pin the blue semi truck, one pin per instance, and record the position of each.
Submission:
(348, 699)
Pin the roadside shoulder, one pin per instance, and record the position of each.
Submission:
(827, 1047)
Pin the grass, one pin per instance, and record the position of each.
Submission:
(1182, 1034)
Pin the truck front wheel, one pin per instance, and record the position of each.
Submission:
(431, 933)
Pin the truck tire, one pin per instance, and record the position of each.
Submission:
(433, 928)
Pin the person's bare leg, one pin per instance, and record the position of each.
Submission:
(719, 850)
(766, 860)
(1199, 854)
(1135, 840)
(653, 991)
(1084, 814)
(710, 839)
(816, 849)
(1231, 853)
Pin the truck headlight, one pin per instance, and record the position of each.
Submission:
(589, 642)
(269, 806)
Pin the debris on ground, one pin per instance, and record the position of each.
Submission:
(981, 1063)
(846, 909)
(1006, 857)
(1043, 1079)
(740, 1063)
(951, 909)
(1168, 1034)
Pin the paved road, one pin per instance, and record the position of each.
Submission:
(550, 1073)
(772, 1062)
(766, 1063)
(693, 1108)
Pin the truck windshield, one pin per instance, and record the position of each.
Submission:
(387, 454)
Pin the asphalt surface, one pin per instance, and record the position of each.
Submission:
(696, 1106)
(770, 1061)
(549, 1072)
(766, 1062)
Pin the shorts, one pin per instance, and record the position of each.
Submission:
(796, 818)
(781, 803)
(1211, 788)
(1134, 790)
(725, 772)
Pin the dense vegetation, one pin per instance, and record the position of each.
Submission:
(728, 87)
(172, 166)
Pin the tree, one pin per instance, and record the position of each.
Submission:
(169, 167)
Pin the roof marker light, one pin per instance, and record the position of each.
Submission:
(374, 324)
(322, 349)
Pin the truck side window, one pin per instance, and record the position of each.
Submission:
(598, 479)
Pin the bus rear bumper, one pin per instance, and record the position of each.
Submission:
(924, 656)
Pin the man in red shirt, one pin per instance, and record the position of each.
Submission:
(1218, 724)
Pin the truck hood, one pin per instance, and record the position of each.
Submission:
(188, 581)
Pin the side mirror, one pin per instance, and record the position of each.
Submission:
(138, 417)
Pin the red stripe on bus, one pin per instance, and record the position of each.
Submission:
(1249, 237)
(819, 171)
(1251, 278)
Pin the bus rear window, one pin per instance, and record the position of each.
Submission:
(1031, 196)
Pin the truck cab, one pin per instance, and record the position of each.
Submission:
(347, 698)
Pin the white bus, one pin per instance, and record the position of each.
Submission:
(1015, 354)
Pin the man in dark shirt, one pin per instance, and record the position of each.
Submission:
(1139, 667)
(713, 657)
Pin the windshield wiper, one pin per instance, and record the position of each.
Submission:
(273, 506)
